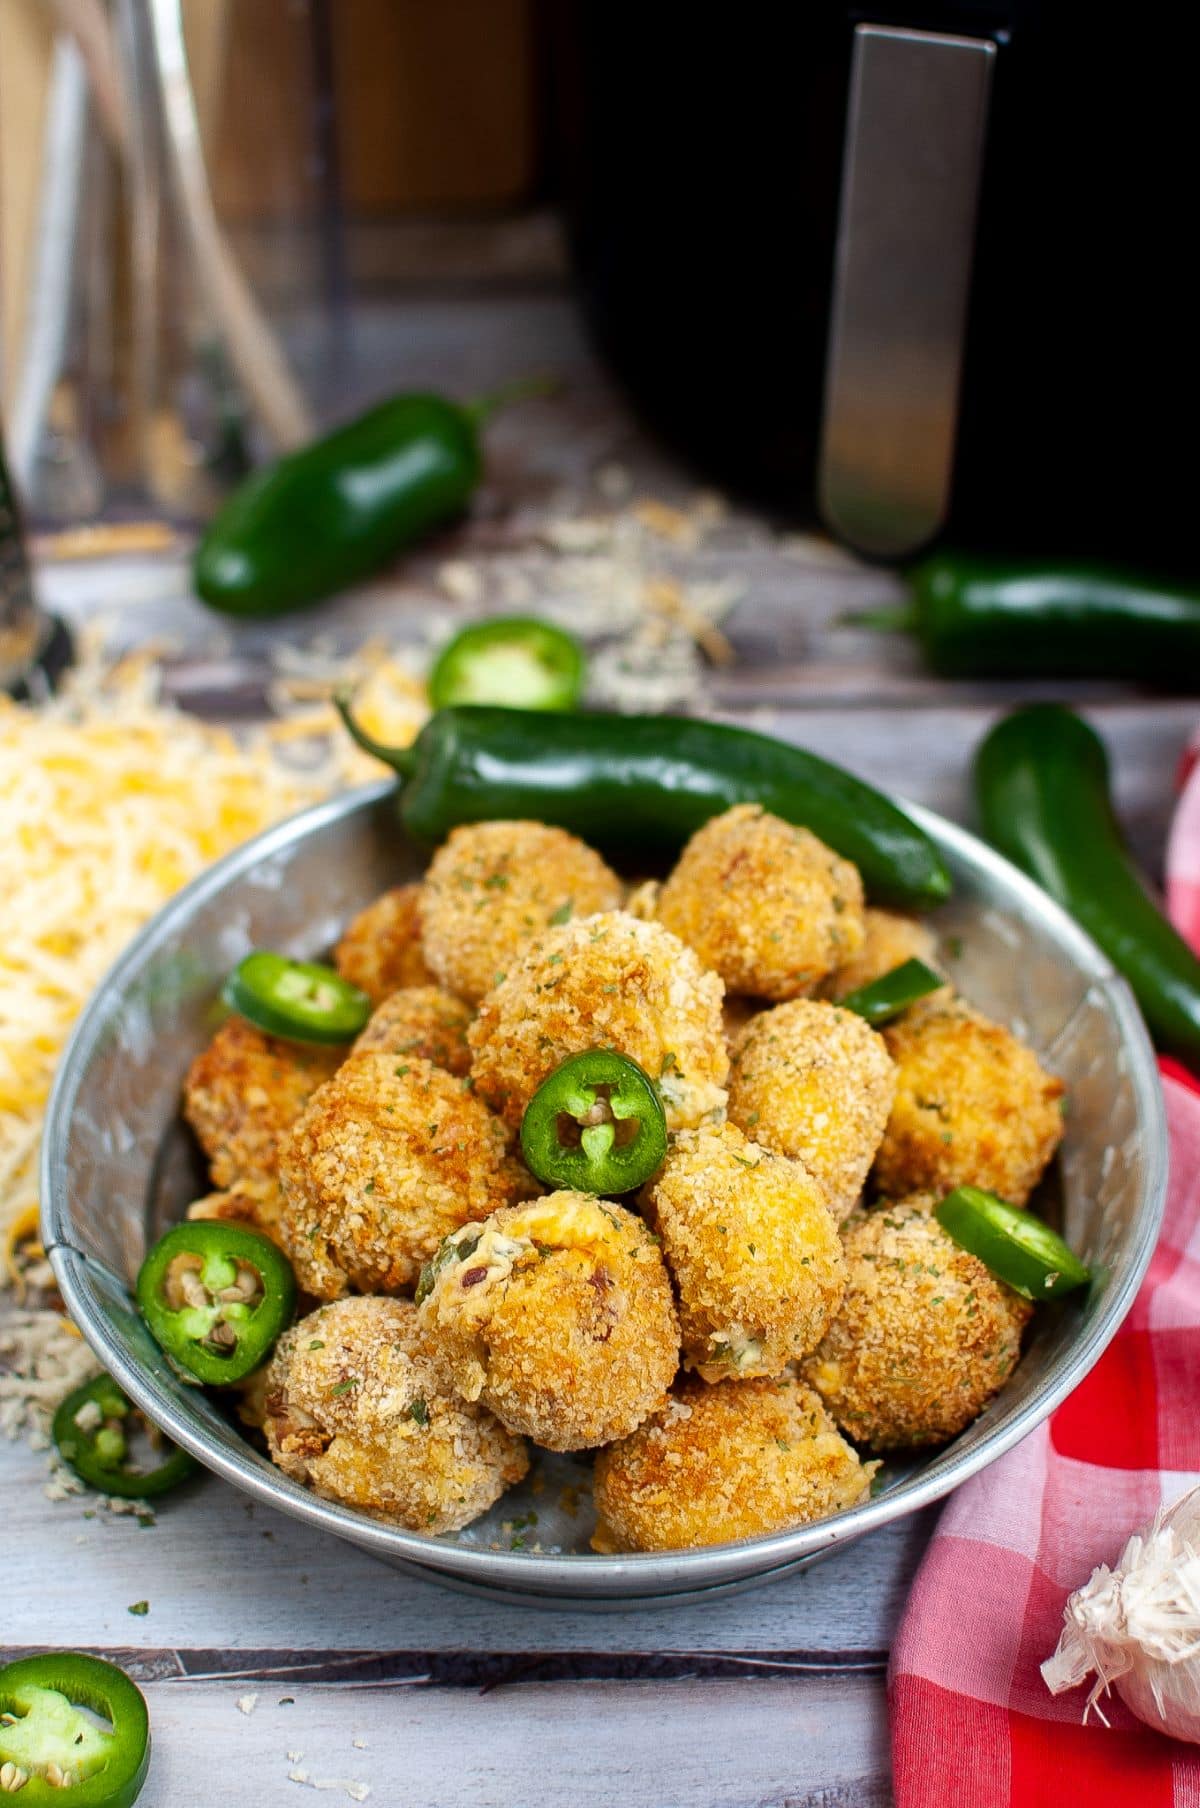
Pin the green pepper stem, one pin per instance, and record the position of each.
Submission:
(895, 618)
(482, 408)
(402, 759)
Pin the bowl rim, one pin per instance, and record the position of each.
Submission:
(555, 1576)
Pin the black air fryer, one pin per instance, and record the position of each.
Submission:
(902, 270)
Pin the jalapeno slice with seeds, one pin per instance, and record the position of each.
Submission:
(51, 1749)
(892, 992)
(303, 1001)
(1016, 1246)
(91, 1433)
(515, 660)
(216, 1297)
(596, 1125)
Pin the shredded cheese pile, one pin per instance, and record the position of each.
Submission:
(110, 800)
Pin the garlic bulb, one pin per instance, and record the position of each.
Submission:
(1138, 1626)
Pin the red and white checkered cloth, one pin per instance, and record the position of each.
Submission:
(973, 1724)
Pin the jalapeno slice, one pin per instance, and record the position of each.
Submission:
(1017, 1246)
(303, 1001)
(516, 660)
(90, 1431)
(892, 992)
(215, 1297)
(596, 1125)
(53, 1751)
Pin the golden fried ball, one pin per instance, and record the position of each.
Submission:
(357, 1410)
(973, 1105)
(493, 886)
(255, 1201)
(889, 940)
(389, 1156)
(608, 981)
(812, 1081)
(557, 1315)
(925, 1334)
(740, 1460)
(766, 905)
(381, 950)
(245, 1091)
(753, 1250)
(421, 1020)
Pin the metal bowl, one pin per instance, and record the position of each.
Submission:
(118, 1165)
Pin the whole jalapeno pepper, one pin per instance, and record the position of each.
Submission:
(1041, 783)
(641, 785)
(339, 509)
(596, 1125)
(90, 1432)
(52, 1750)
(215, 1297)
(977, 617)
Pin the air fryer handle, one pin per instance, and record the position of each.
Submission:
(910, 184)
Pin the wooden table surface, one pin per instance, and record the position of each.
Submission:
(276, 1659)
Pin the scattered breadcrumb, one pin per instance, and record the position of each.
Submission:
(246, 1704)
(357, 1792)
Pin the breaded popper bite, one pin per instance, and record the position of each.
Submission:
(493, 886)
(245, 1091)
(764, 904)
(739, 1460)
(387, 1158)
(381, 949)
(356, 1408)
(607, 981)
(558, 1316)
(420, 1020)
(814, 1082)
(973, 1105)
(889, 940)
(924, 1336)
(255, 1201)
(753, 1249)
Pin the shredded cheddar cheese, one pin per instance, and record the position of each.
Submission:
(110, 800)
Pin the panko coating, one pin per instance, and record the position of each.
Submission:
(766, 905)
(925, 1334)
(607, 981)
(357, 1409)
(255, 1201)
(388, 1157)
(889, 940)
(558, 1315)
(973, 1105)
(381, 949)
(739, 1460)
(493, 886)
(420, 1020)
(816, 1083)
(245, 1091)
(753, 1249)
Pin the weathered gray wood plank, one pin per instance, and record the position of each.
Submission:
(222, 1572)
(769, 1744)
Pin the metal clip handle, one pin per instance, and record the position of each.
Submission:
(906, 231)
